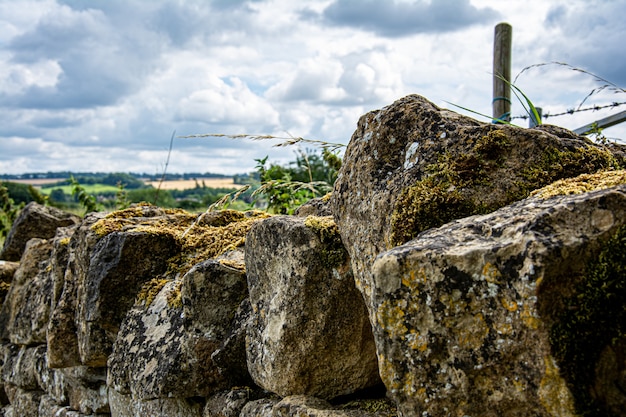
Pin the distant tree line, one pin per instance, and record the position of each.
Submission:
(83, 175)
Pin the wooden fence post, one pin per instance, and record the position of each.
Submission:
(502, 69)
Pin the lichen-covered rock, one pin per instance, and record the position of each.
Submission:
(213, 294)
(24, 403)
(411, 166)
(124, 406)
(307, 406)
(24, 316)
(229, 403)
(263, 407)
(514, 313)
(309, 332)
(62, 333)
(7, 270)
(166, 343)
(34, 221)
(20, 365)
(121, 262)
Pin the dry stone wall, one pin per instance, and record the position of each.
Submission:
(439, 280)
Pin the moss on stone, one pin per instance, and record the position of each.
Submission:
(428, 203)
(333, 252)
(200, 237)
(150, 290)
(452, 187)
(174, 297)
(591, 320)
(582, 184)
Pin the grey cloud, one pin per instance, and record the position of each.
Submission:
(592, 38)
(395, 19)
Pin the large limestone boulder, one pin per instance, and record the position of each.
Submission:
(34, 221)
(515, 313)
(411, 166)
(309, 332)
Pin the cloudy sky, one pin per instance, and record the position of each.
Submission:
(100, 85)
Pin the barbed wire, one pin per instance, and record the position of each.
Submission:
(572, 111)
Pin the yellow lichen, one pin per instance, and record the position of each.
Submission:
(554, 395)
(333, 253)
(582, 184)
(150, 290)
(65, 241)
(390, 317)
(174, 296)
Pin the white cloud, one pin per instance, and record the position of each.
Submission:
(102, 85)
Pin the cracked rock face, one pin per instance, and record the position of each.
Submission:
(518, 312)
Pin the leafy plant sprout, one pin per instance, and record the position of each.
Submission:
(284, 193)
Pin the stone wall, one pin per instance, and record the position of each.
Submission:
(446, 282)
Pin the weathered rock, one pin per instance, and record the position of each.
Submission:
(7, 270)
(24, 403)
(24, 316)
(125, 406)
(34, 221)
(319, 206)
(259, 408)
(86, 389)
(20, 365)
(309, 332)
(62, 333)
(166, 343)
(518, 312)
(411, 166)
(120, 264)
(229, 403)
(305, 406)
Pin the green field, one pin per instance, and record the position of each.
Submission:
(89, 188)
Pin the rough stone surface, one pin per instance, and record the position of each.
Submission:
(319, 206)
(20, 365)
(515, 313)
(411, 166)
(86, 389)
(213, 294)
(120, 264)
(229, 403)
(125, 406)
(259, 408)
(165, 348)
(24, 316)
(62, 333)
(309, 332)
(7, 270)
(34, 221)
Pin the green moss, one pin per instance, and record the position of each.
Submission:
(150, 290)
(174, 297)
(333, 253)
(582, 184)
(453, 186)
(428, 203)
(593, 319)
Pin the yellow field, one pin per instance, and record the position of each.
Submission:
(38, 181)
(187, 184)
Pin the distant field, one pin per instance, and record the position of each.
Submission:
(187, 184)
(38, 182)
(89, 188)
